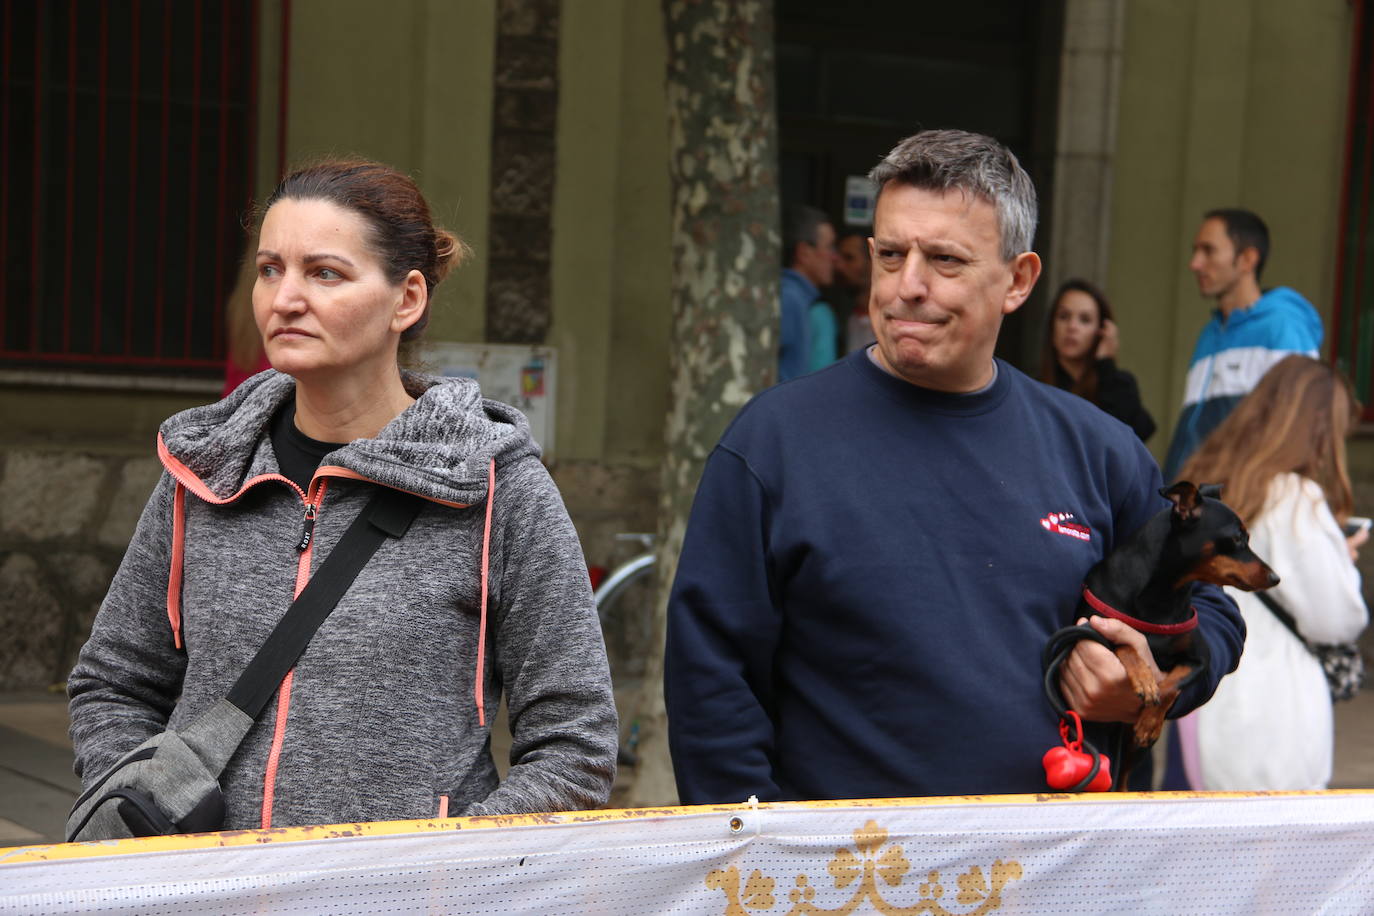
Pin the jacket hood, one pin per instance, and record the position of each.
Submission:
(1286, 305)
(439, 447)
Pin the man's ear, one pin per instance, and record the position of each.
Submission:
(1025, 270)
(411, 305)
(1248, 259)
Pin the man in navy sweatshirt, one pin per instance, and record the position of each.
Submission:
(878, 550)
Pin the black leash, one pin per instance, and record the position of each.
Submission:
(1060, 644)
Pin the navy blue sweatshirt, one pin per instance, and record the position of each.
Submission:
(869, 573)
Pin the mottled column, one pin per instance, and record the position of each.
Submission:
(524, 120)
(723, 163)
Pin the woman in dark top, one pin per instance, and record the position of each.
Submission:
(1079, 355)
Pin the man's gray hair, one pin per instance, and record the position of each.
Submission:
(947, 160)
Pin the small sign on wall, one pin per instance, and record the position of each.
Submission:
(859, 199)
(520, 375)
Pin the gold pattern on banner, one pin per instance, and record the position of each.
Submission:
(874, 862)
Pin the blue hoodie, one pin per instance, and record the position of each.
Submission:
(794, 341)
(1231, 356)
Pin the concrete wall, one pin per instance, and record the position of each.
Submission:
(412, 88)
(1085, 150)
(66, 521)
(611, 230)
(1226, 103)
(76, 466)
(1222, 103)
(611, 261)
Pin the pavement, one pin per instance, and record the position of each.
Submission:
(37, 787)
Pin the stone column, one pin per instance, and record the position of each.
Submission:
(1089, 89)
(723, 163)
(524, 118)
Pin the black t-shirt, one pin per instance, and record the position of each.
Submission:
(297, 453)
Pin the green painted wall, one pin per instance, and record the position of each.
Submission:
(410, 84)
(611, 254)
(414, 89)
(1223, 103)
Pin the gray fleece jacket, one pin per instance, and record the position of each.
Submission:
(379, 719)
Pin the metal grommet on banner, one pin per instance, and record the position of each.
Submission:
(737, 822)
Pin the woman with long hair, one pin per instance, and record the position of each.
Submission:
(1280, 458)
(387, 713)
(1079, 355)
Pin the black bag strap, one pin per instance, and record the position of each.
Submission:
(387, 514)
(1284, 617)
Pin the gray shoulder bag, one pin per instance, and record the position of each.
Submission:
(1341, 662)
(170, 783)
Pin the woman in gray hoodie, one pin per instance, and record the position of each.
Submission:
(387, 714)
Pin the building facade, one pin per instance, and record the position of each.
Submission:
(537, 130)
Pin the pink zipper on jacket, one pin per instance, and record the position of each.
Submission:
(187, 480)
(307, 550)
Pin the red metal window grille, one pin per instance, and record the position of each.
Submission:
(127, 138)
(1353, 313)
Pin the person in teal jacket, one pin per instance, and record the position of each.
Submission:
(1250, 330)
(807, 328)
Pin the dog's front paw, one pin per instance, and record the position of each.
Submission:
(1149, 726)
(1141, 674)
(1147, 688)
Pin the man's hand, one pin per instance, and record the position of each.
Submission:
(1093, 680)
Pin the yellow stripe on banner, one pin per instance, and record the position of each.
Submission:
(54, 852)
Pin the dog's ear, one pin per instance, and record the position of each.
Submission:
(1210, 490)
(1187, 502)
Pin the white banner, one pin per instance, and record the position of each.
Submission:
(1165, 853)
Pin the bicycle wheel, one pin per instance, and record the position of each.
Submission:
(624, 602)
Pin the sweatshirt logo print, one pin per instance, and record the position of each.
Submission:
(1063, 523)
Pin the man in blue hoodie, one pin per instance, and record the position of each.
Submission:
(806, 338)
(878, 550)
(1249, 331)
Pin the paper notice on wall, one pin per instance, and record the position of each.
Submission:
(520, 375)
(859, 200)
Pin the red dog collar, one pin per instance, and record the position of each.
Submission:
(1159, 629)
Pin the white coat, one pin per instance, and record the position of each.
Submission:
(1269, 726)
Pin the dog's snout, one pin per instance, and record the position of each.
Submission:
(1273, 579)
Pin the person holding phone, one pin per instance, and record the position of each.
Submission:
(1280, 458)
(1079, 355)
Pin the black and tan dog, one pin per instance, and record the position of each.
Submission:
(1147, 582)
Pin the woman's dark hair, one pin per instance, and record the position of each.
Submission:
(1086, 385)
(400, 230)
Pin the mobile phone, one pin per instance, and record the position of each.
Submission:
(1355, 524)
